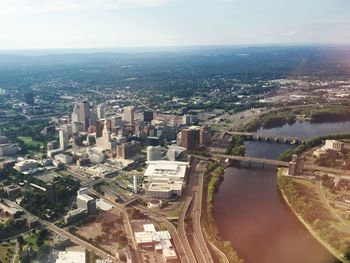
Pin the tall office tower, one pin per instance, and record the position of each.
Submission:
(29, 97)
(93, 117)
(101, 111)
(75, 114)
(63, 138)
(128, 115)
(51, 192)
(186, 119)
(190, 138)
(84, 114)
(205, 135)
(116, 121)
(148, 116)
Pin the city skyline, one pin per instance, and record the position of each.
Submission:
(64, 24)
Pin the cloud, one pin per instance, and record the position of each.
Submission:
(46, 6)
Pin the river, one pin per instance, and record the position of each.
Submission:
(251, 213)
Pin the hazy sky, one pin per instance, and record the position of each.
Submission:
(118, 23)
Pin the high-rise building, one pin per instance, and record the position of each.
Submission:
(190, 138)
(205, 135)
(51, 192)
(101, 111)
(148, 116)
(63, 138)
(128, 115)
(29, 97)
(116, 121)
(87, 202)
(84, 114)
(75, 114)
(128, 150)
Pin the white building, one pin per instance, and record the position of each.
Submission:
(72, 255)
(128, 115)
(26, 165)
(106, 142)
(85, 201)
(159, 241)
(165, 179)
(101, 111)
(334, 145)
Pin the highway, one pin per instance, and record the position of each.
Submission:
(182, 229)
(196, 213)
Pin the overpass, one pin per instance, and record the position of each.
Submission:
(267, 137)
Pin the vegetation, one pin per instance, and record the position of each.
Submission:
(36, 202)
(236, 146)
(303, 203)
(27, 134)
(317, 141)
(271, 120)
(213, 179)
(329, 113)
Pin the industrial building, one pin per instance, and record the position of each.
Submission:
(165, 179)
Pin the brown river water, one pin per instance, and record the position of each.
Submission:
(251, 213)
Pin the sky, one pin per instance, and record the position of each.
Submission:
(46, 24)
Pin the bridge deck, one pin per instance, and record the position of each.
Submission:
(280, 137)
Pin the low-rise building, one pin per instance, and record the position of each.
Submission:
(9, 149)
(75, 215)
(64, 158)
(342, 201)
(158, 241)
(26, 165)
(73, 254)
(12, 190)
(165, 179)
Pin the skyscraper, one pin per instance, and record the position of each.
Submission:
(84, 113)
(63, 138)
(29, 97)
(101, 111)
(75, 114)
(190, 138)
(128, 114)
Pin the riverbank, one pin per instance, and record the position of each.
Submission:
(213, 179)
(315, 114)
(308, 226)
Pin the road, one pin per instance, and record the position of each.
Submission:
(203, 253)
(182, 229)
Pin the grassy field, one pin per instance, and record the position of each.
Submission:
(7, 250)
(310, 206)
(30, 142)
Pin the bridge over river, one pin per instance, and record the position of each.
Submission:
(343, 173)
(267, 137)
